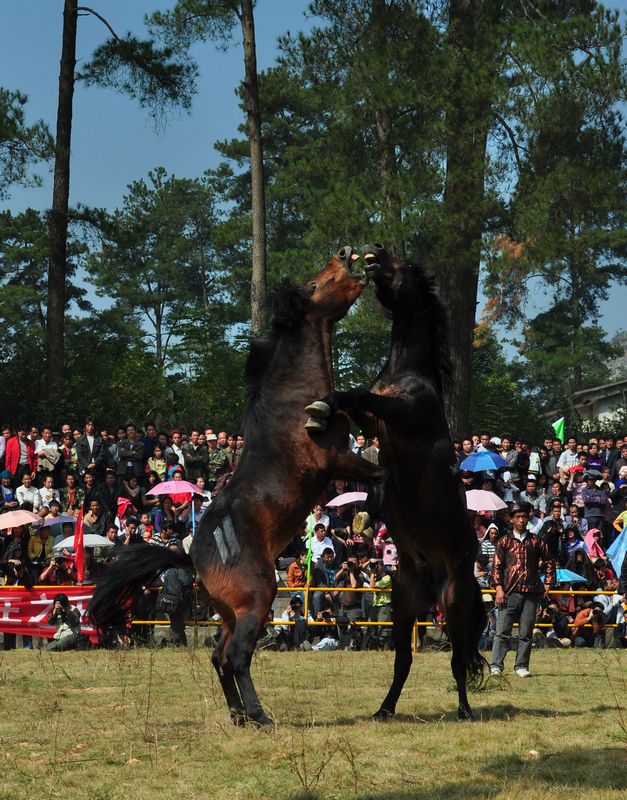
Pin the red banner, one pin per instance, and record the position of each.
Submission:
(26, 611)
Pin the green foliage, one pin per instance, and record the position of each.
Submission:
(155, 77)
(21, 145)
(500, 403)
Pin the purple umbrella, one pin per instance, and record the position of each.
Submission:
(60, 520)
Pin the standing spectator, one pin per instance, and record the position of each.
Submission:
(5, 435)
(568, 459)
(195, 456)
(552, 529)
(519, 560)
(217, 463)
(90, 451)
(533, 497)
(372, 453)
(150, 439)
(46, 454)
(174, 448)
(108, 494)
(618, 463)
(552, 470)
(381, 601)
(131, 455)
(19, 456)
(156, 462)
(595, 502)
(175, 599)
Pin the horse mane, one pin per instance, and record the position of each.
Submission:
(433, 308)
(288, 305)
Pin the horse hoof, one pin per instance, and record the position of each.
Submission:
(239, 719)
(314, 424)
(465, 715)
(264, 723)
(382, 715)
(318, 409)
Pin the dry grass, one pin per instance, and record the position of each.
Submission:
(139, 725)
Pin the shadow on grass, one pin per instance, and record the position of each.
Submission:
(601, 768)
(487, 714)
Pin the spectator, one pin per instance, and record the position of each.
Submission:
(381, 601)
(316, 516)
(156, 462)
(291, 637)
(175, 599)
(8, 500)
(90, 450)
(519, 559)
(534, 498)
(324, 575)
(46, 453)
(580, 564)
(552, 529)
(595, 502)
(350, 576)
(67, 620)
(94, 520)
(320, 542)
(201, 485)
(217, 462)
(27, 495)
(71, 497)
(107, 493)
(297, 576)
(571, 540)
(131, 456)
(372, 453)
(196, 457)
(19, 457)
(149, 440)
(48, 493)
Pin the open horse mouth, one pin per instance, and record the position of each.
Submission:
(370, 254)
(348, 258)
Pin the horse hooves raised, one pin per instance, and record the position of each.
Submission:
(315, 424)
(382, 715)
(319, 409)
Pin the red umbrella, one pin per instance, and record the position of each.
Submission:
(13, 519)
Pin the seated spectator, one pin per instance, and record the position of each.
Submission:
(535, 523)
(165, 514)
(579, 563)
(48, 493)
(40, 547)
(297, 576)
(317, 515)
(60, 571)
(151, 501)
(324, 575)
(574, 518)
(166, 535)
(131, 533)
(90, 490)
(94, 520)
(533, 497)
(27, 493)
(71, 496)
(291, 637)
(134, 492)
(559, 634)
(382, 601)
(320, 542)
(571, 540)
(592, 541)
(8, 500)
(146, 529)
(350, 576)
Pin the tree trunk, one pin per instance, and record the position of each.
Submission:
(59, 215)
(251, 93)
(383, 119)
(467, 126)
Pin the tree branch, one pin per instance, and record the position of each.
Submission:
(102, 19)
(512, 139)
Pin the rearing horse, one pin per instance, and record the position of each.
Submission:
(281, 474)
(423, 504)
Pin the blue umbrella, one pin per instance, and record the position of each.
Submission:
(566, 576)
(617, 551)
(482, 461)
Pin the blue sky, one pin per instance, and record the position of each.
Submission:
(114, 141)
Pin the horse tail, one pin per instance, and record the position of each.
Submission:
(475, 662)
(139, 565)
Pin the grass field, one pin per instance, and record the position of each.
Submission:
(143, 724)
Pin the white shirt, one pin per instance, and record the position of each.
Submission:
(46, 495)
(30, 495)
(567, 459)
(318, 546)
(41, 445)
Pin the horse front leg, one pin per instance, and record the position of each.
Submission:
(359, 404)
(352, 467)
(247, 630)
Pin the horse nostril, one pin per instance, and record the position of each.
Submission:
(378, 246)
(345, 253)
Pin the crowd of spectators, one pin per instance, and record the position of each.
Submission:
(577, 493)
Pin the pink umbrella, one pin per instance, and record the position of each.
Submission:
(13, 519)
(347, 498)
(480, 500)
(174, 487)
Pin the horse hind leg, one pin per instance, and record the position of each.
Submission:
(465, 620)
(225, 675)
(247, 629)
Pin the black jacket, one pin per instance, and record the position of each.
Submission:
(88, 456)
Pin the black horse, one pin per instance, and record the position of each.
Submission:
(281, 474)
(424, 504)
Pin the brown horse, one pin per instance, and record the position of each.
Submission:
(423, 504)
(281, 474)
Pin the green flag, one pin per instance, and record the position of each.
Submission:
(309, 538)
(558, 427)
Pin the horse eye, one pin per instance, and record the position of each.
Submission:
(314, 286)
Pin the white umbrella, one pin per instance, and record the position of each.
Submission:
(89, 540)
(480, 500)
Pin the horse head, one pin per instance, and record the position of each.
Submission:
(334, 290)
(398, 282)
